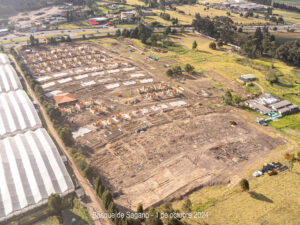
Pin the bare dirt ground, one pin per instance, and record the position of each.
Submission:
(192, 149)
(150, 142)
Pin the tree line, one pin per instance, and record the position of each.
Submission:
(277, 5)
(286, 7)
(252, 45)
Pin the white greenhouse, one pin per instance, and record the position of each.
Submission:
(17, 114)
(9, 80)
(4, 59)
(31, 169)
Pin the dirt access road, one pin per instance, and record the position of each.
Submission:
(95, 204)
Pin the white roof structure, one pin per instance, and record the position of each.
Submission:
(9, 80)
(31, 169)
(4, 59)
(17, 114)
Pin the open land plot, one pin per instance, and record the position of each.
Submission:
(135, 124)
(282, 37)
(291, 17)
(190, 11)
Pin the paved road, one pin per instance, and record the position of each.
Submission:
(279, 28)
(95, 204)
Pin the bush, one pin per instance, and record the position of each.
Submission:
(244, 184)
(212, 45)
(220, 43)
(195, 44)
(189, 68)
(169, 72)
(271, 76)
(177, 70)
(80, 162)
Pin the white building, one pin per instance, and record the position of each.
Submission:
(31, 169)
(4, 59)
(9, 80)
(128, 15)
(17, 114)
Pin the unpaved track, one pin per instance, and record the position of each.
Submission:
(95, 204)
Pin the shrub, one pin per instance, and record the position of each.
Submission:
(195, 44)
(169, 72)
(189, 68)
(177, 70)
(244, 184)
(212, 45)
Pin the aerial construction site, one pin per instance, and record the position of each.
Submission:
(150, 140)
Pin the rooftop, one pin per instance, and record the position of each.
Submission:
(64, 98)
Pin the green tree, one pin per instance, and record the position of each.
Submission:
(228, 97)
(106, 198)
(177, 70)
(69, 38)
(220, 43)
(189, 68)
(66, 136)
(88, 173)
(168, 30)
(195, 45)
(154, 217)
(236, 99)
(55, 206)
(212, 45)
(174, 221)
(32, 40)
(97, 184)
(118, 33)
(140, 208)
(271, 76)
(187, 205)
(244, 184)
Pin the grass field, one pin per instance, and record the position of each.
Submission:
(75, 25)
(186, 19)
(271, 200)
(291, 17)
(215, 12)
(163, 22)
(126, 25)
(135, 2)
